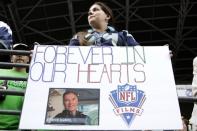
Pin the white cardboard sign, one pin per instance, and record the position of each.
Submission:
(119, 88)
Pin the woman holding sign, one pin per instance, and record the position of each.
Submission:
(100, 16)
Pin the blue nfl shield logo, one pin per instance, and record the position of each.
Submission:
(127, 94)
(127, 101)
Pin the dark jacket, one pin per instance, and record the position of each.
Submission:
(66, 117)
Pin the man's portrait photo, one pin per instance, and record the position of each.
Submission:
(73, 106)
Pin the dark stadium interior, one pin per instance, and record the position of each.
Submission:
(151, 22)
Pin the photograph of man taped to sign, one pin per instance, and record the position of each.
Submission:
(69, 106)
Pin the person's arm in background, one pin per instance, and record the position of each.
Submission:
(193, 119)
(194, 82)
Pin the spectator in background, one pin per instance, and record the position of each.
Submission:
(5, 40)
(193, 119)
(10, 102)
(100, 18)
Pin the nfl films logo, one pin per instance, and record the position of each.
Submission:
(127, 101)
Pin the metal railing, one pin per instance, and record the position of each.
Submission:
(9, 65)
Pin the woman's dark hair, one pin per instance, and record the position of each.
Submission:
(107, 10)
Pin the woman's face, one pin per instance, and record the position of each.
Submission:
(97, 16)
